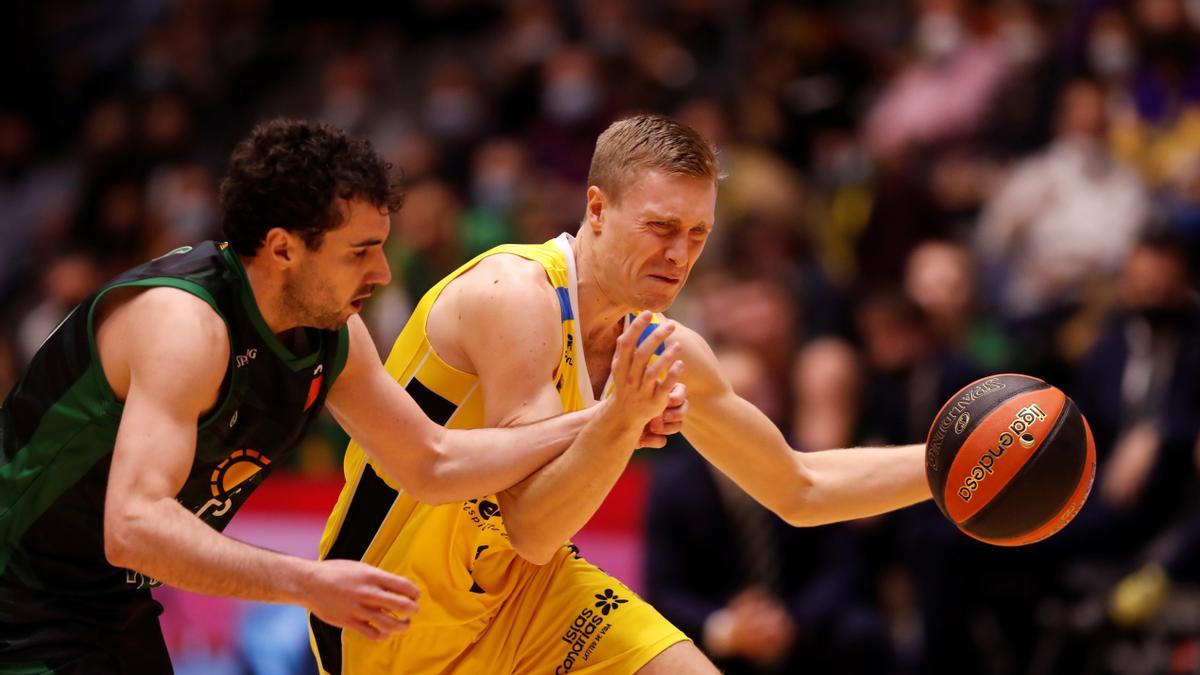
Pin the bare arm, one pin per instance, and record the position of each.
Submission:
(506, 307)
(803, 488)
(166, 352)
(434, 464)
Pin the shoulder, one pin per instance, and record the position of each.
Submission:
(504, 302)
(701, 372)
(506, 279)
(164, 338)
(142, 315)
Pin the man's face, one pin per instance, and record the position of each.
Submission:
(331, 283)
(648, 240)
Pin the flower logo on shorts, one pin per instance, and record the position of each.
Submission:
(609, 601)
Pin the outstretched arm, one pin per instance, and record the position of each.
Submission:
(434, 464)
(165, 353)
(810, 488)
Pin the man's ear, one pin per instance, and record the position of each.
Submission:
(280, 247)
(597, 202)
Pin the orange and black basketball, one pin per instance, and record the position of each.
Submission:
(1010, 459)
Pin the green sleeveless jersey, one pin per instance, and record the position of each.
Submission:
(59, 424)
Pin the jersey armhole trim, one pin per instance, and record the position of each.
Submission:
(152, 282)
(340, 357)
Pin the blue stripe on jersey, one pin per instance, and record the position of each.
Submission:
(646, 333)
(564, 303)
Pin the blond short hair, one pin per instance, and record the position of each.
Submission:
(649, 142)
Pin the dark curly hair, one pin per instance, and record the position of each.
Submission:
(291, 174)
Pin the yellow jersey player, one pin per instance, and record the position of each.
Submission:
(522, 333)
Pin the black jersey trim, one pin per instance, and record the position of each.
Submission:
(372, 500)
(435, 407)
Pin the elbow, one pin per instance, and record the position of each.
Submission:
(533, 549)
(426, 491)
(421, 484)
(433, 483)
(425, 486)
(797, 505)
(422, 470)
(535, 553)
(120, 540)
(796, 511)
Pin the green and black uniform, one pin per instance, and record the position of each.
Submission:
(63, 607)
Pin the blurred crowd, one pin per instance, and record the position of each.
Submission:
(918, 193)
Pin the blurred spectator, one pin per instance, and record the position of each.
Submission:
(573, 107)
(758, 314)
(941, 280)
(1158, 125)
(346, 91)
(425, 244)
(35, 199)
(1140, 390)
(757, 595)
(1020, 118)
(454, 110)
(827, 387)
(910, 374)
(840, 202)
(943, 93)
(114, 224)
(500, 178)
(67, 281)
(1065, 216)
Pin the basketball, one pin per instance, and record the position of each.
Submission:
(1010, 459)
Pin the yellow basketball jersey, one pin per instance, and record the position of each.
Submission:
(458, 554)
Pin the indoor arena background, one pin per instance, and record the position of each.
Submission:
(918, 193)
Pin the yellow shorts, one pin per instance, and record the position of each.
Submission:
(566, 617)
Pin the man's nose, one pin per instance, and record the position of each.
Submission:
(381, 272)
(677, 251)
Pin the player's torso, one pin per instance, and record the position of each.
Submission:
(61, 422)
(458, 553)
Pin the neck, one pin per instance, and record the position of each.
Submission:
(267, 296)
(601, 318)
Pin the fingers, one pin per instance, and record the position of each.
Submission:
(661, 427)
(388, 624)
(392, 602)
(380, 626)
(377, 618)
(651, 345)
(675, 415)
(677, 396)
(671, 380)
(366, 629)
(399, 585)
(653, 373)
(627, 344)
(652, 440)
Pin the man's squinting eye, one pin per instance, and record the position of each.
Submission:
(360, 254)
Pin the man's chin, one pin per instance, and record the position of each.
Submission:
(655, 303)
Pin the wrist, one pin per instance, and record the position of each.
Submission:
(297, 580)
(617, 425)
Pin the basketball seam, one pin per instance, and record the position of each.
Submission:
(1059, 423)
(977, 418)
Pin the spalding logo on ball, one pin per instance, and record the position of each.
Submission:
(1010, 459)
